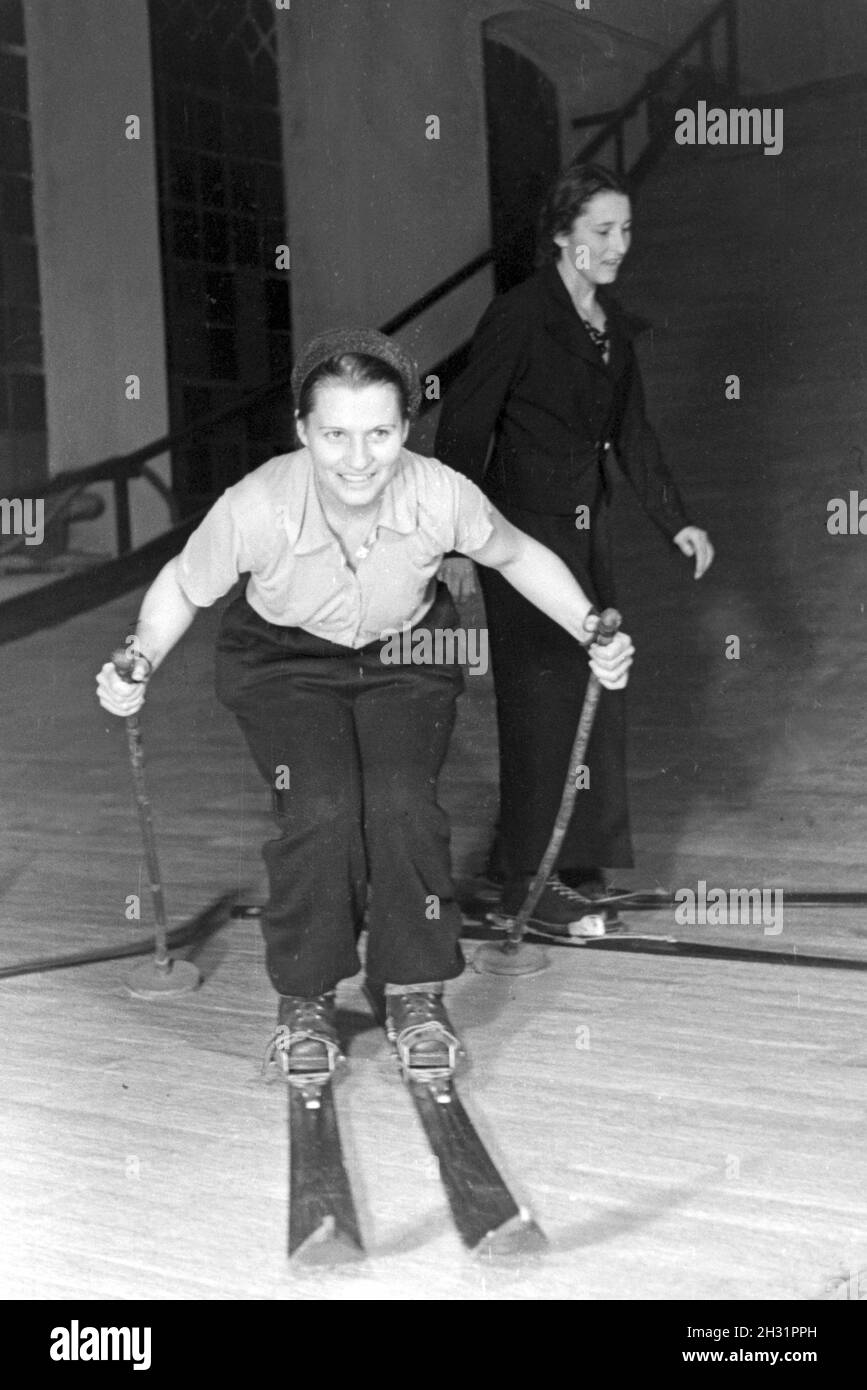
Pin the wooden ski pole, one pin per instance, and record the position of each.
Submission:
(609, 624)
(162, 975)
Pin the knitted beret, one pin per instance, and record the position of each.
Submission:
(361, 340)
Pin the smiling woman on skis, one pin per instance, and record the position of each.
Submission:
(342, 540)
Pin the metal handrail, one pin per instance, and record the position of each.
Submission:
(726, 11)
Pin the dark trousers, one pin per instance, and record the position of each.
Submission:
(352, 749)
(540, 677)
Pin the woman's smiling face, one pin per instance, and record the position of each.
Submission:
(599, 238)
(355, 435)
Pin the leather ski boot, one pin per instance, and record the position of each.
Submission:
(422, 1033)
(305, 1043)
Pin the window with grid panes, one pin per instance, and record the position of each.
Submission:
(222, 217)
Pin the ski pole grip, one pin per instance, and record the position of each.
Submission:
(609, 625)
(124, 663)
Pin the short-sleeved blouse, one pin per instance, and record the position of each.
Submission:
(271, 526)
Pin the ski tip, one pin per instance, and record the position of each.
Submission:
(519, 1236)
(326, 1246)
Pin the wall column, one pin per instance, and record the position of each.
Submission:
(95, 200)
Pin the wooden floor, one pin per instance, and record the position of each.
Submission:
(681, 1129)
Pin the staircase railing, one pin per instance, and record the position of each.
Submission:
(658, 83)
(120, 470)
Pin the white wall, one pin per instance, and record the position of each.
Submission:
(95, 202)
(377, 212)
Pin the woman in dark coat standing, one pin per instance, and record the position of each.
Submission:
(553, 381)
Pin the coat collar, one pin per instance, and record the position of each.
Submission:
(564, 324)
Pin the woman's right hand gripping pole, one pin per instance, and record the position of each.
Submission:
(121, 682)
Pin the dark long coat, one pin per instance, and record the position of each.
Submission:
(533, 420)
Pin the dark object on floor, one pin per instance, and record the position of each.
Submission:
(192, 933)
(480, 925)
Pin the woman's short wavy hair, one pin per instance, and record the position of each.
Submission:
(567, 198)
